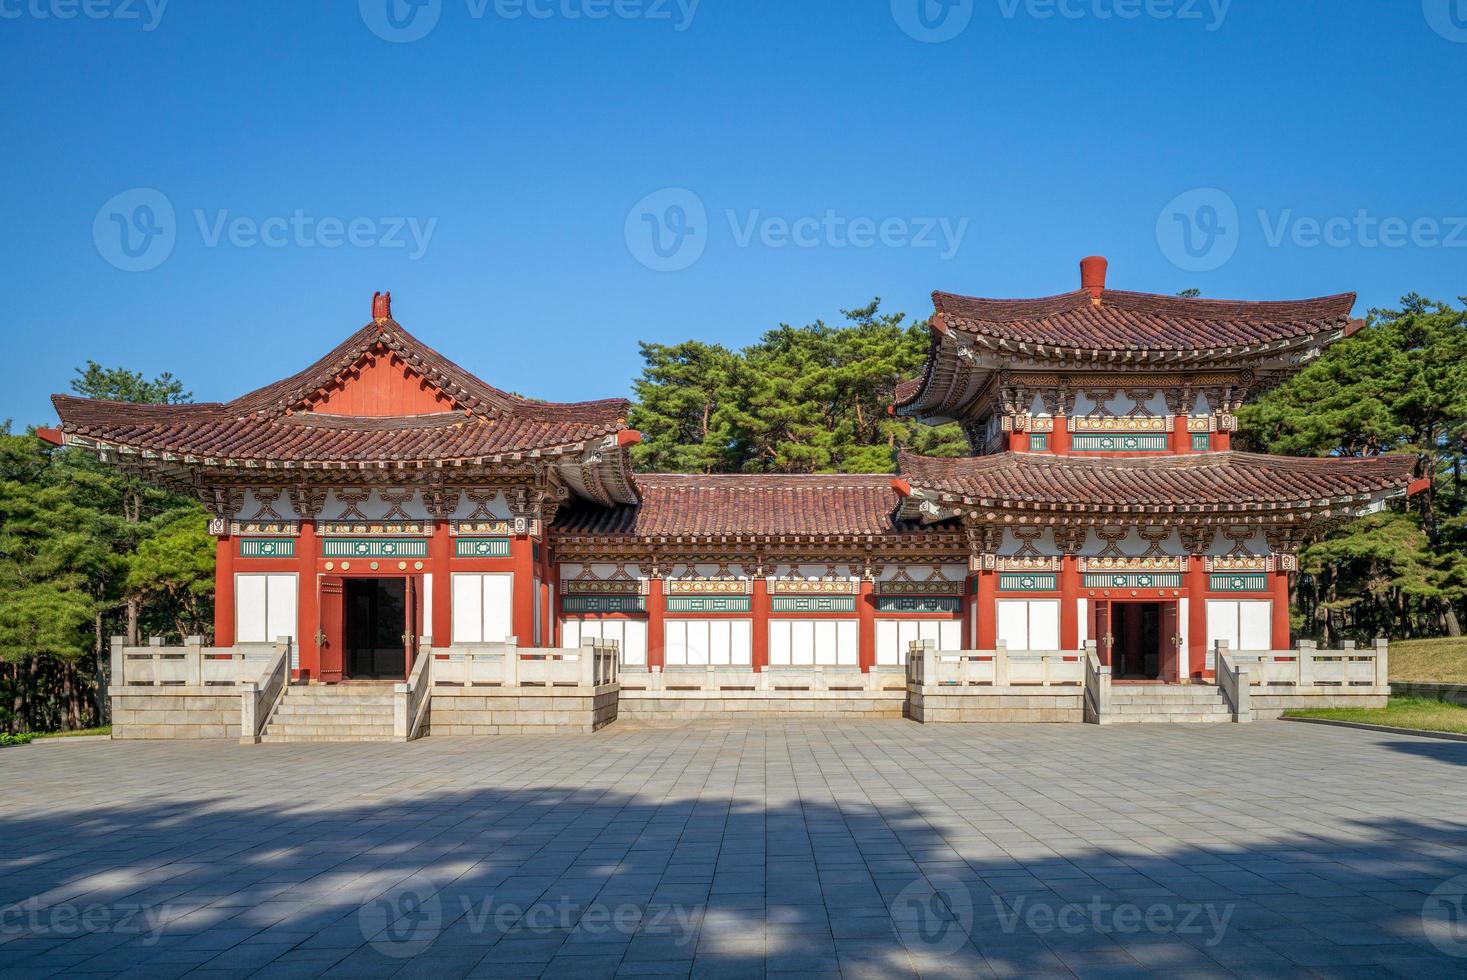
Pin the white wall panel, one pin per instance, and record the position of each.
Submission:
(1013, 623)
(250, 609)
(1255, 624)
(483, 607)
(280, 614)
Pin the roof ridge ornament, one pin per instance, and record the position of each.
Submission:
(382, 306)
(1092, 277)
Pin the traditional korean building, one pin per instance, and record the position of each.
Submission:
(1103, 499)
(385, 497)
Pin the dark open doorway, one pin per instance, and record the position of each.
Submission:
(375, 626)
(1139, 639)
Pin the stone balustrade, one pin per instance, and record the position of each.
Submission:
(1308, 677)
(971, 686)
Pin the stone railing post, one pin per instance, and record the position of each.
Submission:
(929, 664)
(400, 707)
(119, 661)
(588, 663)
(1243, 703)
(1382, 662)
(249, 706)
(1000, 664)
(818, 684)
(193, 659)
(1307, 650)
(511, 663)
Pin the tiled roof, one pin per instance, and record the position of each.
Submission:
(1141, 321)
(748, 505)
(267, 424)
(1207, 481)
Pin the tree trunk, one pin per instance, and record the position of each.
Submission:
(1449, 619)
(133, 640)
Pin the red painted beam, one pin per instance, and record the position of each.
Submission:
(628, 437)
(53, 436)
(1412, 489)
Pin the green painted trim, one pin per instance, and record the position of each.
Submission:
(481, 547)
(1039, 442)
(1144, 580)
(1120, 443)
(374, 548)
(1201, 442)
(918, 604)
(267, 547)
(603, 603)
(1240, 582)
(718, 604)
(813, 603)
(1027, 582)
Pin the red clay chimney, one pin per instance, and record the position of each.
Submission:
(381, 306)
(1092, 276)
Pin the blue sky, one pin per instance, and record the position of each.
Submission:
(504, 174)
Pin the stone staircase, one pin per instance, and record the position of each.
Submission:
(332, 713)
(1167, 703)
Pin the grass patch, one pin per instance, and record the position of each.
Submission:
(7, 739)
(103, 730)
(1442, 660)
(1422, 714)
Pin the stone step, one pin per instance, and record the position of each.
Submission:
(1167, 719)
(290, 707)
(278, 739)
(1169, 709)
(313, 697)
(294, 728)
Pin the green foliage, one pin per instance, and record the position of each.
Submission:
(122, 385)
(22, 738)
(809, 399)
(1400, 386)
(87, 552)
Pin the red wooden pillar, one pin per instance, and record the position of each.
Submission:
(1279, 586)
(550, 591)
(440, 553)
(656, 634)
(1059, 439)
(308, 599)
(1181, 438)
(1223, 441)
(759, 626)
(224, 591)
(1193, 659)
(866, 608)
(1018, 442)
(522, 553)
(987, 609)
(1069, 583)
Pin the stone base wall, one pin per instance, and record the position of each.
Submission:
(986, 705)
(680, 706)
(1272, 702)
(1451, 693)
(175, 712)
(521, 710)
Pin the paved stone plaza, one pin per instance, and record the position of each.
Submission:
(818, 849)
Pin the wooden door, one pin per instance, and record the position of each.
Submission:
(330, 635)
(1171, 642)
(1104, 640)
(413, 614)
